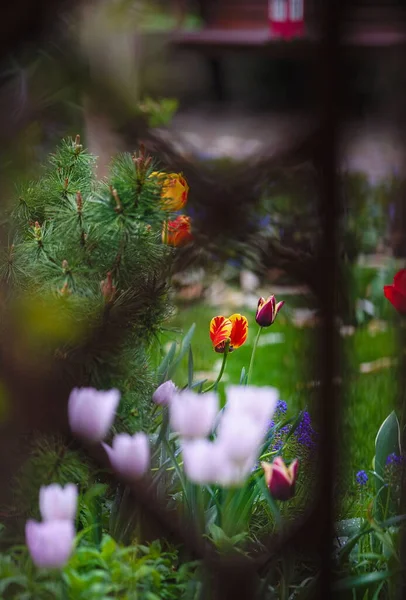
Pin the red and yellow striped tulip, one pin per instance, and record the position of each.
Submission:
(232, 330)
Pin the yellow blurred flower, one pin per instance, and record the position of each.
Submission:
(174, 189)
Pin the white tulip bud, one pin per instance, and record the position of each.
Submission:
(192, 415)
(50, 543)
(129, 455)
(57, 503)
(258, 402)
(91, 412)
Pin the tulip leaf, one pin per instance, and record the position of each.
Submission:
(183, 349)
(190, 368)
(387, 442)
(163, 368)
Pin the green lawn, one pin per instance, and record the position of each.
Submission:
(367, 398)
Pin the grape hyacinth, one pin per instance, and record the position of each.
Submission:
(304, 432)
(394, 459)
(362, 478)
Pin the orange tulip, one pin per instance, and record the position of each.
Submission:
(174, 190)
(233, 330)
(177, 232)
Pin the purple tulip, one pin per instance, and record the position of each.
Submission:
(163, 394)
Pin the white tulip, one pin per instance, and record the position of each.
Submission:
(57, 503)
(258, 402)
(129, 455)
(193, 415)
(91, 412)
(50, 543)
(240, 436)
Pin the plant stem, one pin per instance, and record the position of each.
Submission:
(253, 355)
(220, 375)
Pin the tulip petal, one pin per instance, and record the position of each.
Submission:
(220, 330)
(239, 331)
(399, 281)
(396, 298)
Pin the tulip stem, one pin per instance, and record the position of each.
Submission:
(254, 349)
(223, 366)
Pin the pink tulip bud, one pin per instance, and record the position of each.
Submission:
(163, 394)
(267, 311)
(129, 455)
(57, 503)
(192, 415)
(257, 402)
(91, 412)
(50, 543)
(281, 479)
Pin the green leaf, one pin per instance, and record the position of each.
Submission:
(165, 364)
(387, 442)
(183, 349)
(356, 581)
(190, 368)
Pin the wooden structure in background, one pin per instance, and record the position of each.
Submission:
(243, 25)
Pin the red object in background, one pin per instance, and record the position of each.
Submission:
(286, 18)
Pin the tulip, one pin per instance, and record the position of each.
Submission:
(50, 543)
(267, 311)
(163, 394)
(91, 412)
(177, 232)
(396, 293)
(193, 415)
(232, 330)
(258, 402)
(129, 455)
(240, 435)
(174, 190)
(206, 462)
(57, 503)
(281, 479)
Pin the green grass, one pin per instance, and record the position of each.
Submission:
(366, 399)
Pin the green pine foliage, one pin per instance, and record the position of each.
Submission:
(89, 253)
(86, 273)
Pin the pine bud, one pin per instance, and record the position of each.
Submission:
(65, 291)
(65, 265)
(118, 208)
(79, 202)
(66, 183)
(107, 288)
(78, 146)
(37, 231)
